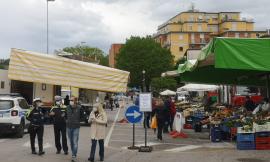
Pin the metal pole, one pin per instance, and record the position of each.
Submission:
(145, 127)
(133, 143)
(47, 26)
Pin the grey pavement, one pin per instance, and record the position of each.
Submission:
(196, 148)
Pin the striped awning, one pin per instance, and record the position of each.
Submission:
(50, 69)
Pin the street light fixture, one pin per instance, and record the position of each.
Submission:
(48, 24)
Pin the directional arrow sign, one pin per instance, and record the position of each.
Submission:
(133, 114)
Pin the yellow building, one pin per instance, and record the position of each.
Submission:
(193, 29)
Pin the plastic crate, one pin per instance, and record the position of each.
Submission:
(243, 137)
(233, 132)
(262, 128)
(187, 126)
(246, 145)
(262, 134)
(215, 134)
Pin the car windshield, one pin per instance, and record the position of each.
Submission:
(6, 104)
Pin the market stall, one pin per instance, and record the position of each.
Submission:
(231, 61)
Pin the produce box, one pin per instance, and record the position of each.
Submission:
(242, 131)
(246, 145)
(215, 134)
(261, 128)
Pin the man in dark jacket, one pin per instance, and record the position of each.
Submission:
(59, 115)
(36, 127)
(73, 126)
(249, 104)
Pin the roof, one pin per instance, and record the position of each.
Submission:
(43, 68)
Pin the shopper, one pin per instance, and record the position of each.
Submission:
(98, 120)
(167, 106)
(73, 126)
(66, 100)
(172, 114)
(58, 112)
(264, 106)
(249, 104)
(36, 127)
(159, 112)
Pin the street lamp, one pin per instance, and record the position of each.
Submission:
(48, 24)
(143, 81)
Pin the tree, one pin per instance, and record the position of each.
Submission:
(90, 52)
(140, 54)
(162, 83)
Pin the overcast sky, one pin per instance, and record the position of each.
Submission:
(100, 23)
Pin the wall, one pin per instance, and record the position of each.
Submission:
(114, 50)
(45, 95)
(4, 77)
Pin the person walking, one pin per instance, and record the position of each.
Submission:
(73, 126)
(58, 112)
(159, 111)
(98, 120)
(36, 127)
(167, 106)
(172, 114)
(66, 100)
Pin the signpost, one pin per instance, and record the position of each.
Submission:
(145, 103)
(133, 115)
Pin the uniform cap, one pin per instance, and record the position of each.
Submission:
(37, 99)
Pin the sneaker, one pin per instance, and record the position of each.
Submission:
(73, 159)
(66, 153)
(41, 153)
(91, 160)
(58, 152)
(101, 159)
(34, 152)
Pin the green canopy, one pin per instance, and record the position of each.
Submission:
(234, 61)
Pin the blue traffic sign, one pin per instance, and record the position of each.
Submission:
(133, 114)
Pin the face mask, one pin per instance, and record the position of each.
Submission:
(58, 103)
(71, 103)
(94, 109)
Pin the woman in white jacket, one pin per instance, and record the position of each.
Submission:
(98, 120)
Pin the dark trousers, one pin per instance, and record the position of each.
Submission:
(171, 122)
(93, 149)
(166, 124)
(36, 131)
(160, 125)
(60, 130)
(147, 119)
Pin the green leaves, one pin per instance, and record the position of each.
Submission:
(160, 84)
(90, 52)
(143, 53)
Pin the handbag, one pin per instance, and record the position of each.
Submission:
(154, 122)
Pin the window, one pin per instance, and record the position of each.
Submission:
(6, 104)
(234, 26)
(23, 104)
(202, 36)
(43, 87)
(199, 27)
(181, 37)
(2, 84)
(246, 35)
(181, 49)
(236, 35)
(192, 38)
(191, 18)
(190, 27)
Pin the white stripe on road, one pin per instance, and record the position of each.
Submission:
(142, 144)
(184, 148)
(108, 137)
(46, 145)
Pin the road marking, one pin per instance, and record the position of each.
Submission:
(184, 148)
(46, 145)
(107, 140)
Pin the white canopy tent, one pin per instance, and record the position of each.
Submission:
(198, 87)
(168, 93)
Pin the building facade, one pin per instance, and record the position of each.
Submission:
(4, 82)
(114, 50)
(194, 29)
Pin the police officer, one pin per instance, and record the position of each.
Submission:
(59, 115)
(36, 118)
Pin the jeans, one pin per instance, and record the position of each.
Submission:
(73, 135)
(93, 149)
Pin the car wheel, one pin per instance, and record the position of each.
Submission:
(20, 131)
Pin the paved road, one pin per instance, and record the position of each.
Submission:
(193, 149)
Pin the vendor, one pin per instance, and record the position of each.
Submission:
(249, 104)
(262, 107)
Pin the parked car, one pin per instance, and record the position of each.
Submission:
(85, 112)
(13, 109)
